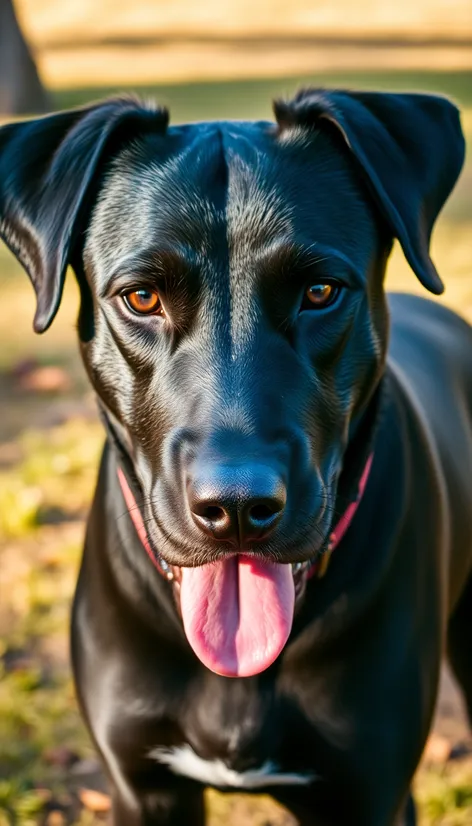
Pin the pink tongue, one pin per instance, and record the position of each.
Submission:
(237, 613)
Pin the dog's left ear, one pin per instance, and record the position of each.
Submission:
(410, 148)
(47, 169)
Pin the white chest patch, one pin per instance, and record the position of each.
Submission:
(183, 760)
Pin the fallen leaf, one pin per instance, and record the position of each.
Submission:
(51, 379)
(55, 818)
(437, 750)
(95, 801)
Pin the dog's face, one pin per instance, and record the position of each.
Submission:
(233, 320)
(239, 329)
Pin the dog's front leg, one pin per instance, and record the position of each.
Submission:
(180, 804)
(409, 818)
(313, 808)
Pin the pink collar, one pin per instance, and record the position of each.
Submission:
(320, 565)
(317, 568)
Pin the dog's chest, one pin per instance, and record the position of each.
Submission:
(235, 736)
(183, 760)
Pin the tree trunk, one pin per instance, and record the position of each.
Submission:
(21, 90)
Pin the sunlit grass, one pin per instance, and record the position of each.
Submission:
(444, 795)
(54, 475)
(251, 99)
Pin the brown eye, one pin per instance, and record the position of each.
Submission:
(320, 295)
(144, 302)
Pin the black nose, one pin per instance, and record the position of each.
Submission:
(238, 504)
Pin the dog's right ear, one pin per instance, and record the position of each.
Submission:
(46, 171)
(409, 148)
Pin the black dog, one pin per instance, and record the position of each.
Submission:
(235, 328)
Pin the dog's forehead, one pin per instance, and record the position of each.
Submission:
(208, 184)
(195, 181)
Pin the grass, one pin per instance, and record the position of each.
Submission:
(444, 795)
(251, 99)
(49, 447)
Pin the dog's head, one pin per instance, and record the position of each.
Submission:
(233, 321)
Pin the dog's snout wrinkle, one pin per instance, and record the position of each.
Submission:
(237, 504)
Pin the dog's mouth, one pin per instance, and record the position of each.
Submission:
(238, 612)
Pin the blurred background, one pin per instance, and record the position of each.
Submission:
(212, 59)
